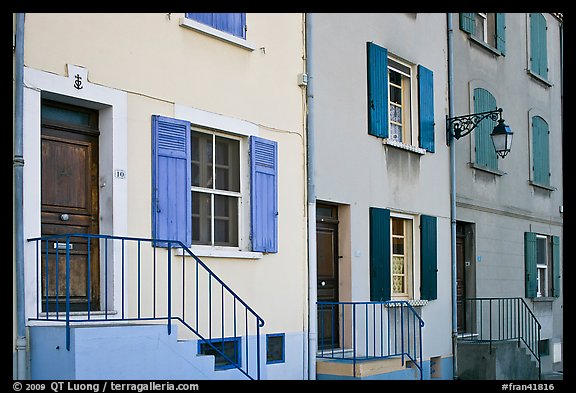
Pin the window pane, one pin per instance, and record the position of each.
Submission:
(397, 246)
(396, 132)
(396, 95)
(541, 251)
(201, 160)
(395, 113)
(397, 226)
(395, 77)
(398, 265)
(201, 218)
(479, 28)
(225, 220)
(227, 164)
(398, 284)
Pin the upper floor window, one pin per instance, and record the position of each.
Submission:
(538, 48)
(229, 22)
(488, 28)
(400, 100)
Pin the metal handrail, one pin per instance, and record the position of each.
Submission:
(390, 329)
(505, 319)
(233, 323)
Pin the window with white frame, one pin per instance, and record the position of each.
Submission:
(485, 27)
(216, 190)
(400, 101)
(542, 266)
(401, 269)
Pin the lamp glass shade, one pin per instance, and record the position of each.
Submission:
(502, 138)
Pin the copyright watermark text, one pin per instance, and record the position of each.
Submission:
(103, 386)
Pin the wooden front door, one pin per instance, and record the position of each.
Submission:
(69, 206)
(327, 273)
(460, 285)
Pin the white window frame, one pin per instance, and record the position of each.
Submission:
(408, 265)
(409, 122)
(543, 289)
(213, 191)
(242, 129)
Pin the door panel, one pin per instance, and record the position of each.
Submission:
(69, 206)
(327, 275)
(460, 285)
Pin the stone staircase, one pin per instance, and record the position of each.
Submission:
(504, 361)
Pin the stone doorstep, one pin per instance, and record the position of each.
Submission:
(364, 368)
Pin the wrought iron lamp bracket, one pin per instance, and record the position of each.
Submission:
(460, 126)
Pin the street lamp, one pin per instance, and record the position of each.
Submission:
(501, 135)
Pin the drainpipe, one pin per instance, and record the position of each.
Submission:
(18, 163)
(451, 141)
(311, 204)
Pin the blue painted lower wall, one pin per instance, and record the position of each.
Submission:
(145, 352)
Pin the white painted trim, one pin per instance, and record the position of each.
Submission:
(218, 34)
(112, 105)
(214, 120)
(220, 252)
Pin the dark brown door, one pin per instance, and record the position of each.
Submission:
(327, 273)
(460, 285)
(70, 206)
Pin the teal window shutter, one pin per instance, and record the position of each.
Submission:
(485, 153)
(540, 151)
(429, 257)
(380, 287)
(377, 59)
(467, 22)
(426, 108)
(556, 266)
(538, 47)
(531, 285)
(501, 32)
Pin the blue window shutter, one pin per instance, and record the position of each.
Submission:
(467, 22)
(229, 22)
(531, 286)
(555, 266)
(429, 258)
(377, 60)
(264, 194)
(540, 151)
(426, 108)
(501, 32)
(380, 280)
(171, 180)
(538, 47)
(485, 153)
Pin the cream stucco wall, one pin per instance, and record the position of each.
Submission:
(158, 66)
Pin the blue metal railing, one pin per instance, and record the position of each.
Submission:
(502, 319)
(358, 331)
(199, 300)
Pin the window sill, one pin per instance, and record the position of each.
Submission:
(400, 145)
(412, 302)
(544, 299)
(540, 185)
(538, 78)
(482, 44)
(496, 172)
(220, 252)
(212, 32)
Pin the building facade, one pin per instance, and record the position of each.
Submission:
(164, 154)
(382, 191)
(509, 211)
